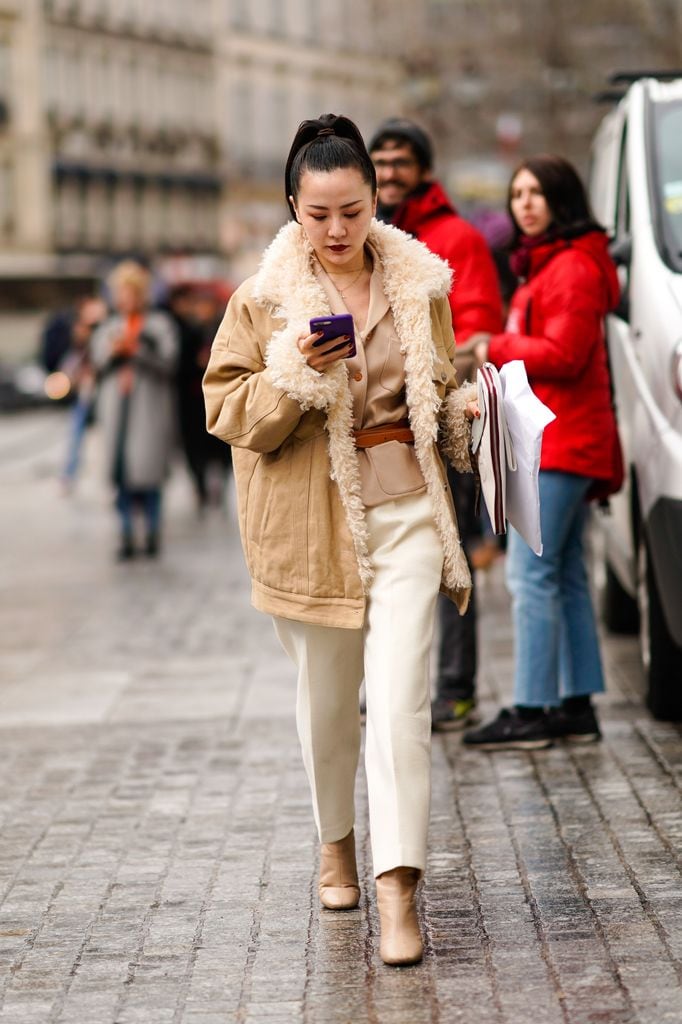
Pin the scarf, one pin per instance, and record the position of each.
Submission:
(520, 257)
(128, 344)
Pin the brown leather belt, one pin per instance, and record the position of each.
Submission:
(370, 436)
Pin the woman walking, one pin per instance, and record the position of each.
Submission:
(556, 326)
(135, 354)
(345, 515)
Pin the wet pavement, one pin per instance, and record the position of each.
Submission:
(157, 852)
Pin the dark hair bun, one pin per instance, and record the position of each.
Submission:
(326, 143)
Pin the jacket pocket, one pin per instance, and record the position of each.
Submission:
(276, 519)
(392, 378)
(391, 469)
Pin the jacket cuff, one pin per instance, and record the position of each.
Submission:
(289, 371)
(456, 428)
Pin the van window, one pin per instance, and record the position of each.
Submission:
(623, 195)
(667, 125)
(622, 228)
(604, 171)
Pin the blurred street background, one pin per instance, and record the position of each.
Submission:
(160, 129)
(157, 852)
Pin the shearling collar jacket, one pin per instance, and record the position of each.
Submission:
(302, 520)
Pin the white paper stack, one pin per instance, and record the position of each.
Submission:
(526, 418)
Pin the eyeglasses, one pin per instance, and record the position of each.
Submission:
(401, 163)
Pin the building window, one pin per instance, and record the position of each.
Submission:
(241, 123)
(50, 80)
(312, 20)
(70, 214)
(277, 17)
(123, 218)
(76, 90)
(96, 215)
(5, 67)
(279, 125)
(127, 91)
(151, 218)
(6, 200)
(5, 81)
(238, 13)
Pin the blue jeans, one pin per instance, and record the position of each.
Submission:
(79, 421)
(148, 500)
(556, 645)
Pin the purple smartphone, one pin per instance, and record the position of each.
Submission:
(334, 326)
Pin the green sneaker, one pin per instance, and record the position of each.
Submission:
(449, 715)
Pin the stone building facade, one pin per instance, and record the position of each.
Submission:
(161, 127)
(110, 141)
(278, 64)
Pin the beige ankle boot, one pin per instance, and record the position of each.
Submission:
(339, 889)
(401, 941)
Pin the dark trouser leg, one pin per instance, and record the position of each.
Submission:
(124, 507)
(151, 503)
(152, 509)
(457, 650)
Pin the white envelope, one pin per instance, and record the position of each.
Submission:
(526, 418)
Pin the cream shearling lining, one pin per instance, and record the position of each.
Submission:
(286, 285)
(456, 432)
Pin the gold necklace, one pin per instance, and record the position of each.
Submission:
(348, 286)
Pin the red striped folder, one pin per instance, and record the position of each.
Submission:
(492, 446)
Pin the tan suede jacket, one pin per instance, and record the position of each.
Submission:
(301, 515)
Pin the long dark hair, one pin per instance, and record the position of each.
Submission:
(564, 193)
(326, 143)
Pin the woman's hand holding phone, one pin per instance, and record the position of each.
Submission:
(321, 356)
(324, 347)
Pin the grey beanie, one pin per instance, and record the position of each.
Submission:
(401, 128)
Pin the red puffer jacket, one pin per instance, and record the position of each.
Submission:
(556, 326)
(475, 298)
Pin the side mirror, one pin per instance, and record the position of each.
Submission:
(621, 251)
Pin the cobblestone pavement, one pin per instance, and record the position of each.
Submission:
(157, 852)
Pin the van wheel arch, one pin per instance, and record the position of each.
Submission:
(661, 656)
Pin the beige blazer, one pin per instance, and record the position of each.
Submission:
(376, 378)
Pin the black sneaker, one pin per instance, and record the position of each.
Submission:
(126, 550)
(509, 731)
(579, 727)
(449, 715)
(153, 545)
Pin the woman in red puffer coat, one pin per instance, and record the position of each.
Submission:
(556, 326)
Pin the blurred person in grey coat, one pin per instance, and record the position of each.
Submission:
(135, 354)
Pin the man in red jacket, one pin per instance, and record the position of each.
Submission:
(411, 199)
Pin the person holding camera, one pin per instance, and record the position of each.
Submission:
(345, 514)
(135, 355)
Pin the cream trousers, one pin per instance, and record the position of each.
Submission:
(391, 652)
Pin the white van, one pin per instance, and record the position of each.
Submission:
(636, 193)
